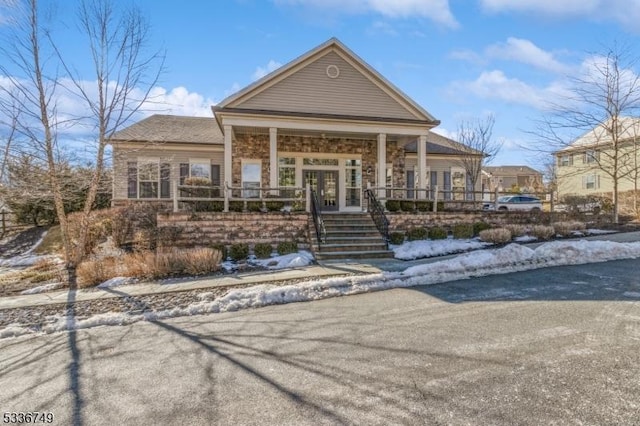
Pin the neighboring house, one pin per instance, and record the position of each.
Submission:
(504, 178)
(583, 167)
(326, 119)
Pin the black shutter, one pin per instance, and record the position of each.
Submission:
(215, 174)
(132, 179)
(165, 180)
(184, 172)
(410, 183)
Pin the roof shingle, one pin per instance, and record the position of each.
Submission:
(172, 128)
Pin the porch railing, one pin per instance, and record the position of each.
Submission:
(321, 232)
(376, 210)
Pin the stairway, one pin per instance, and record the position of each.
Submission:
(349, 236)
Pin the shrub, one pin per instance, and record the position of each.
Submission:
(168, 235)
(236, 206)
(437, 233)
(566, 228)
(479, 227)
(201, 261)
(543, 232)
(205, 206)
(239, 251)
(287, 247)
(222, 249)
(440, 206)
(93, 272)
(262, 250)
(254, 206)
(135, 216)
(396, 238)
(462, 230)
(417, 233)
(407, 206)
(275, 206)
(393, 205)
(142, 240)
(496, 236)
(197, 181)
(516, 230)
(424, 206)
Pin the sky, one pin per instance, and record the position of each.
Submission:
(459, 59)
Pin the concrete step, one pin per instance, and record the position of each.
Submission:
(336, 255)
(326, 248)
(342, 239)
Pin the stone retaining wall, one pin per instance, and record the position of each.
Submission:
(231, 228)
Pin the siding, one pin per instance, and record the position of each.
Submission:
(122, 156)
(310, 90)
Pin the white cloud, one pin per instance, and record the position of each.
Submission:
(435, 10)
(380, 27)
(626, 12)
(526, 52)
(262, 71)
(178, 101)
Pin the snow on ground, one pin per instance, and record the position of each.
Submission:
(26, 258)
(599, 231)
(525, 239)
(511, 258)
(116, 281)
(429, 248)
(42, 288)
(293, 260)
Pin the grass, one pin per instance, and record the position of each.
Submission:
(51, 243)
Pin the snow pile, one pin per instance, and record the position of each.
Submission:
(525, 239)
(293, 260)
(429, 248)
(511, 258)
(27, 258)
(42, 288)
(116, 281)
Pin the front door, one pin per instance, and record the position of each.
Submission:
(325, 183)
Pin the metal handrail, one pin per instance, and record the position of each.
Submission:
(321, 232)
(377, 214)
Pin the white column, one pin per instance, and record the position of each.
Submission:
(273, 157)
(228, 164)
(421, 168)
(382, 163)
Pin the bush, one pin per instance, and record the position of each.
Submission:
(437, 233)
(393, 205)
(566, 228)
(201, 261)
(197, 181)
(417, 233)
(239, 251)
(287, 247)
(479, 227)
(135, 216)
(275, 206)
(168, 235)
(254, 206)
(516, 230)
(262, 250)
(222, 249)
(424, 206)
(407, 206)
(462, 230)
(236, 206)
(543, 232)
(396, 238)
(93, 272)
(496, 236)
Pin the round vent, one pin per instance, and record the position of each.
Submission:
(333, 71)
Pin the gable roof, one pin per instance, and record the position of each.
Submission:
(172, 128)
(440, 145)
(511, 170)
(629, 128)
(328, 80)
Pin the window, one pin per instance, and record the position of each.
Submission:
(591, 181)
(433, 180)
(251, 178)
(447, 185)
(411, 183)
(320, 162)
(286, 172)
(565, 160)
(201, 168)
(590, 156)
(353, 182)
(148, 178)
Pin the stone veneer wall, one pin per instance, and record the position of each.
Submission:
(204, 229)
(256, 146)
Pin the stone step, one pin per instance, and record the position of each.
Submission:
(344, 227)
(342, 239)
(337, 255)
(325, 248)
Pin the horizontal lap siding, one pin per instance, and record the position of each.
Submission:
(122, 156)
(310, 90)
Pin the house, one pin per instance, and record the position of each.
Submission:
(505, 178)
(326, 119)
(585, 167)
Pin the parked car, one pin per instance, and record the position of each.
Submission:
(516, 203)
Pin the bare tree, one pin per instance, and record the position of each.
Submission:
(124, 75)
(594, 119)
(477, 146)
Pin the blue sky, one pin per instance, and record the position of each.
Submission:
(459, 59)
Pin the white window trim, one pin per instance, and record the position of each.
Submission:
(201, 161)
(147, 160)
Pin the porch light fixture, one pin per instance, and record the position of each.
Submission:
(369, 170)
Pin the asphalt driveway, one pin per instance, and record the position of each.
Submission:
(558, 345)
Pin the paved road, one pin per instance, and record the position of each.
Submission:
(552, 346)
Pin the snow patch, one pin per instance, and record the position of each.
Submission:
(292, 260)
(117, 281)
(429, 248)
(42, 288)
(525, 239)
